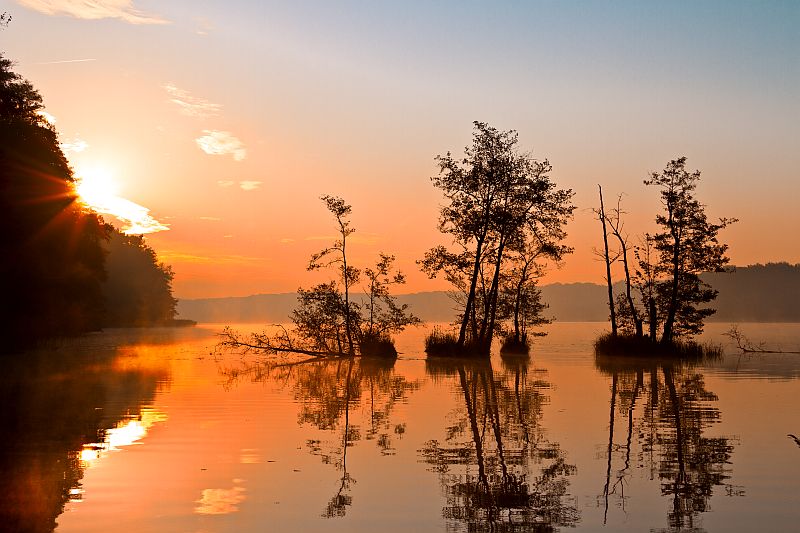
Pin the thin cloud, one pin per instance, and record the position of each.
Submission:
(74, 146)
(192, 106)
(172, 256)
(136, 218)
(61, 62)
(203, 26)
(221, 143)
(212, 219)
(249, 185)
(225, 183)
(93, 10)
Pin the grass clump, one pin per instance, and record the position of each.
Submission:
(442, 343)
(377, 345)
(445, 344)
(635, 346)
(515, 345)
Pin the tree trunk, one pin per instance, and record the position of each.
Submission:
(488, 331)
(469, 308)
(673, 299)
(347, 325)
(608, 266)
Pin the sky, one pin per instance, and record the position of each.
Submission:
(215, 127)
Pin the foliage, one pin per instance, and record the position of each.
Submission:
(499, 202)
(327, 321)
(687, 245)
(52, 250)
(138, 288)
(672, 297)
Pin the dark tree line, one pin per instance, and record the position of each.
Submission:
(54, 250)
(670, 298)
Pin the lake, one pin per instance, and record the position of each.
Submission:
(154, 430)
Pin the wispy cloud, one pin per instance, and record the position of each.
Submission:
(74, 146)
(61, 62)
(172, 256)
(286, 240)
(94, 9)
(225, 183)
(212, 219)
(203, 26)
(249, 185)
(192, 106)
(221, 143)
(136, 218)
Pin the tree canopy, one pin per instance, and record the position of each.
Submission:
(61, 268)
(51, 246)
(503, 212)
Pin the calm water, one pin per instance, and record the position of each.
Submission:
(150, 430)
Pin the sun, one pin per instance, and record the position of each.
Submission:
(98, 190)
(96, 187)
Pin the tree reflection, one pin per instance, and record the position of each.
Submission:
(334, 395)
(677, 411)
(63, 405)
(497, 468)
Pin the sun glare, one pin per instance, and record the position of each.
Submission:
(97, 188)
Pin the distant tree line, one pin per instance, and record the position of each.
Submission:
(62, 267)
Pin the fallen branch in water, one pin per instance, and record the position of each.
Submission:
(746, 345)
(279, 343)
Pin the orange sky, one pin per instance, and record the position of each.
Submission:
(228, 122)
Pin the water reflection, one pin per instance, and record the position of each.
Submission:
(328, 393)
(676, 412)
(497, 468)
(65, 407)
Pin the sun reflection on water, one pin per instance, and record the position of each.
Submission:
(125, 433)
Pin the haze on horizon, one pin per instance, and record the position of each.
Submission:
(215, 128)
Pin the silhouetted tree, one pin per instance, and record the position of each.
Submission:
(138, 288)
(687, 245)
(498, 201)
(52, 252)
(521, 300)
(607, 259)
(337, 254)
(384, 316)
(327, 321)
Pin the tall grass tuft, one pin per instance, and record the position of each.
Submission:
(633, 346)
